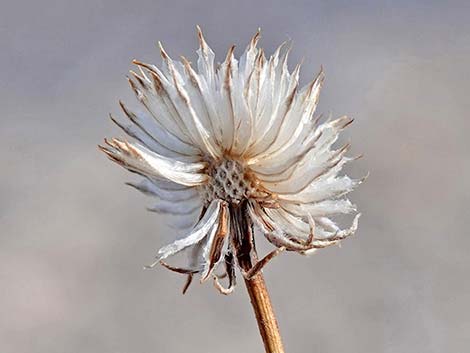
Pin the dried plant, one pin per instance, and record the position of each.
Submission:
(231, 149)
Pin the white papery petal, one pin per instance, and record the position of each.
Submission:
(139, 159)
(297, 120)
(280, 230)
(323, 138)
(297, 178)
(266, 135)
(224, 99)
(248, 58)
(151, 188)
(155, 98)
(206, 270)
(202, 228)
(290, 153)
(243, 116)
(185, 207)
(146, 139)
(277, 86)
(185, 222)
(159, 133)
(342, 234)
(272, 231)
(327, 224)
(202, 102)
(324, 208)
(285, 164)
(205, 60)
(208, 84)
(291, 224)
(309, 169)
(184, 107)
(323, 189)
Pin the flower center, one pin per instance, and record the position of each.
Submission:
(228, 182)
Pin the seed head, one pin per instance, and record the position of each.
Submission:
(218, 145)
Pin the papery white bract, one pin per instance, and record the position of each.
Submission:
(241, 134)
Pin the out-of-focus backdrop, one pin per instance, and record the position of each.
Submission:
(73, 238)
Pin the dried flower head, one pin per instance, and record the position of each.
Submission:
(233, 144)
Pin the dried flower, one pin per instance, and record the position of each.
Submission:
(233, 144)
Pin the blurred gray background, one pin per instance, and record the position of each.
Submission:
(74, 238)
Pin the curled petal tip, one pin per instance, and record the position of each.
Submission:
(364, 178)
(163, 53)
(132, 84)
(153, 264)
(204, 279)
(141, 65)
(255, 38)
(297, 69)
(108, 141)
(355, 224)
(202, 40)
(358, 157)
(230, 53)
(348, 122)
(185, 60)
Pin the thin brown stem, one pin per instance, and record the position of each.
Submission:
(246, 256)
(264, 313)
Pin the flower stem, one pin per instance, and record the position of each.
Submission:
(242, 230)
(264, 313)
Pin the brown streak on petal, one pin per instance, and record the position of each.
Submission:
(218, 242)
(147, 66)
(262, 219)
(157, 82)
(311, 234)
(202, 41)
(134, 88)
(139, 78)
(333, 162)
(163, 52)
(128, 113)
(132, 117)
(349, 122)
(195, 82)
(190, 72)
(228, 90)
(255, 39)
(293, 165)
